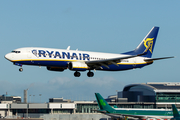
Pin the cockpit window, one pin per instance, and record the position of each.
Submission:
(16, 51)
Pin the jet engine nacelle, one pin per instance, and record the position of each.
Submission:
(60, 69)
(77, 66)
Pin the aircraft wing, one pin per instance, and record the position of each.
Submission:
(98, 63)
(143, 116)
(135, 116)
(119, 115)
(109, 114)
(123, 115)
(106, 62)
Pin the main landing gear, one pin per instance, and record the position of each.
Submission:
(77, 74)
(89, 74)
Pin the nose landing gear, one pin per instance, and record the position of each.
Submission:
(18, 64)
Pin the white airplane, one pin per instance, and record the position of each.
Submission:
(61, 59)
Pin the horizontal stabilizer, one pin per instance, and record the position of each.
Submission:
(151, 59)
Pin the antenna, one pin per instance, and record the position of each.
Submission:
(68, 48)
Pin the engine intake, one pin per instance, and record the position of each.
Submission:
(77, 66)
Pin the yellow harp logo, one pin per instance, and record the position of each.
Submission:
(149, 43)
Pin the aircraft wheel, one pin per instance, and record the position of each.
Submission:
(90, 74)
(77, 74)
(20, 69)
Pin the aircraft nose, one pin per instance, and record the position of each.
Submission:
(8, 56)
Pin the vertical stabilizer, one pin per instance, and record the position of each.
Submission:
(103, 105)
(175, 111)
(148, 41)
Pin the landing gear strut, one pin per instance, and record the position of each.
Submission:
(90, 74)
(20, 69)
(77, 74)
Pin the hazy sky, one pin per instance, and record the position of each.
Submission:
(114, 26)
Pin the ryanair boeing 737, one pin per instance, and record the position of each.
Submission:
(62, 59)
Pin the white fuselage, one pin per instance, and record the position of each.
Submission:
(61, 59)
(62, 55)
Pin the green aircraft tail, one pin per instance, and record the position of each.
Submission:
(175, 111)
(103, 105)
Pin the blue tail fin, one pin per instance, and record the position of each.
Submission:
(175, 111)
(148, 41)
(103, 105)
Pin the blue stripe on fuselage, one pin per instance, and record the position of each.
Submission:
(65, 64)
(45, 63)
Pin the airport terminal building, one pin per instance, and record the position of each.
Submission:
(145, 95)
(161, 94)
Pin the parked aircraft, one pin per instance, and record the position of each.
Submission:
(175, 113)
(62, 59)
(105, 108)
